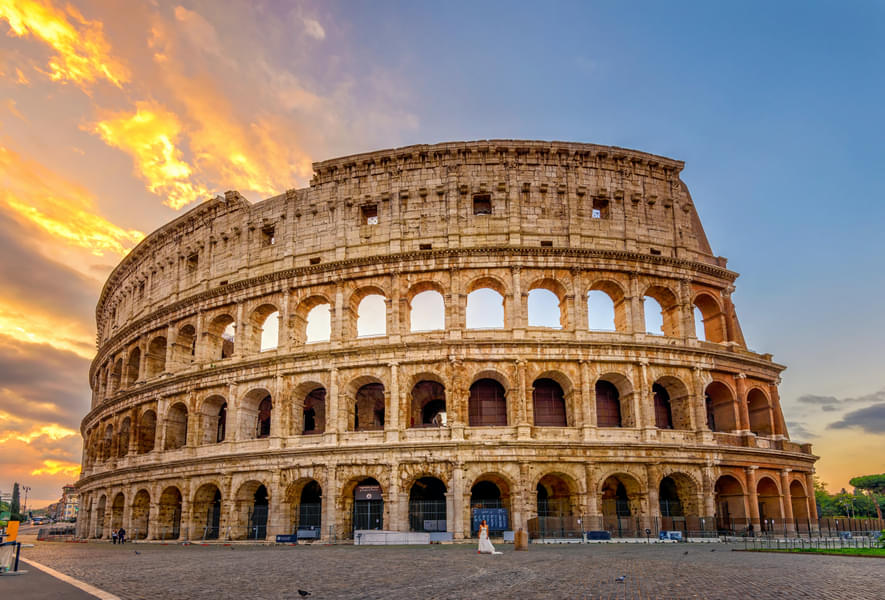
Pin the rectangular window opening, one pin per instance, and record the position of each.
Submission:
(482, 204)
(370, 214)
(267, 236)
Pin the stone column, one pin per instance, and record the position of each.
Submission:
(752, 497)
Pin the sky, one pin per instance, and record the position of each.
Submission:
(115, 117)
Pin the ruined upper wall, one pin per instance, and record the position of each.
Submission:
(450, 195)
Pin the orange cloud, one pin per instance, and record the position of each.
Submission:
(150, 135)
(60, 208)
(82, 54)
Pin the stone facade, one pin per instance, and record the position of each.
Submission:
(196, 431)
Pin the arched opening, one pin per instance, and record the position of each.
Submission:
(368, 410)
(548, 403)
(107, 443)
(155, 359)
(661, 312)
(132, 365)
(99, 516)
(117, 508)
(427, 505)
(709, 320)
(141, 507)
(256, 411)
(123, 437)
(207, 512)
(485, 309)
(555, 497)
(220, 337)
(265, 326)
(798, 500)
(760, 413)
(372, 316)
(427, 311)
(368, 505)
(319, 324)
(490, 500)
(176, 426)
(213, 415)
(608, 405)
(428, 404)
(720, 407)
(668, 497)
(769, 502)
(729, 499)
(314, 412)
(600, 311)
(310, 507)
(184, 351)
(663, 412)
(487, 405)
(544, 309)
(169, 514)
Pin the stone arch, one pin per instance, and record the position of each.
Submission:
(118, 507)
(133, 363)
(184, 350)
(213, 419)
(614, 401)
(169, 514)
(769, 497)
(250, 511)
(425, 307)
(557, 495)
(427, 504)
(155, 357)
(312, 319)
(364, 320)
(759, 410)
(476, 296)
(138, 521)
(729, 497)
(176, 426)
(798, 499)
(560, 296)
(305, 499)
(123, 437)
(207, 511)
(256, 414)
(220, 337)
(672, 396)
(612, 297)
(107, 443)
(721, 407)
(712, 318)
(263, 334)
(668, 304)
(427, 404)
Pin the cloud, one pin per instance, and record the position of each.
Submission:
(799, 430)
(59, 207)
(151, 135)
(82, 54)
(870, 419)
(313, 28)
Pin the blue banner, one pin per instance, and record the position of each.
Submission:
(496, 518)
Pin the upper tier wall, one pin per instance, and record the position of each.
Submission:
(451, 195)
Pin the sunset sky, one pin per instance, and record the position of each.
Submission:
(115, 117)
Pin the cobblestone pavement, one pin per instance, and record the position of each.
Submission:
(457, 571)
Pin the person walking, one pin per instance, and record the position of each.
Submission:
(485, 546)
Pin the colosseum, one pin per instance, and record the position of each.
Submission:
(521, 330)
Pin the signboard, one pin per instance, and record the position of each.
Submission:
(496, 518)
(368, 492)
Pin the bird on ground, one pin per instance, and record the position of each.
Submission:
(303, 593)
(621, 578)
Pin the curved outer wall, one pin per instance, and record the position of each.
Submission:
(511, 216)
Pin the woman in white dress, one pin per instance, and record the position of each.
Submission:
(485, 546)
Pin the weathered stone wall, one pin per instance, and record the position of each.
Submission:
(511, 216)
